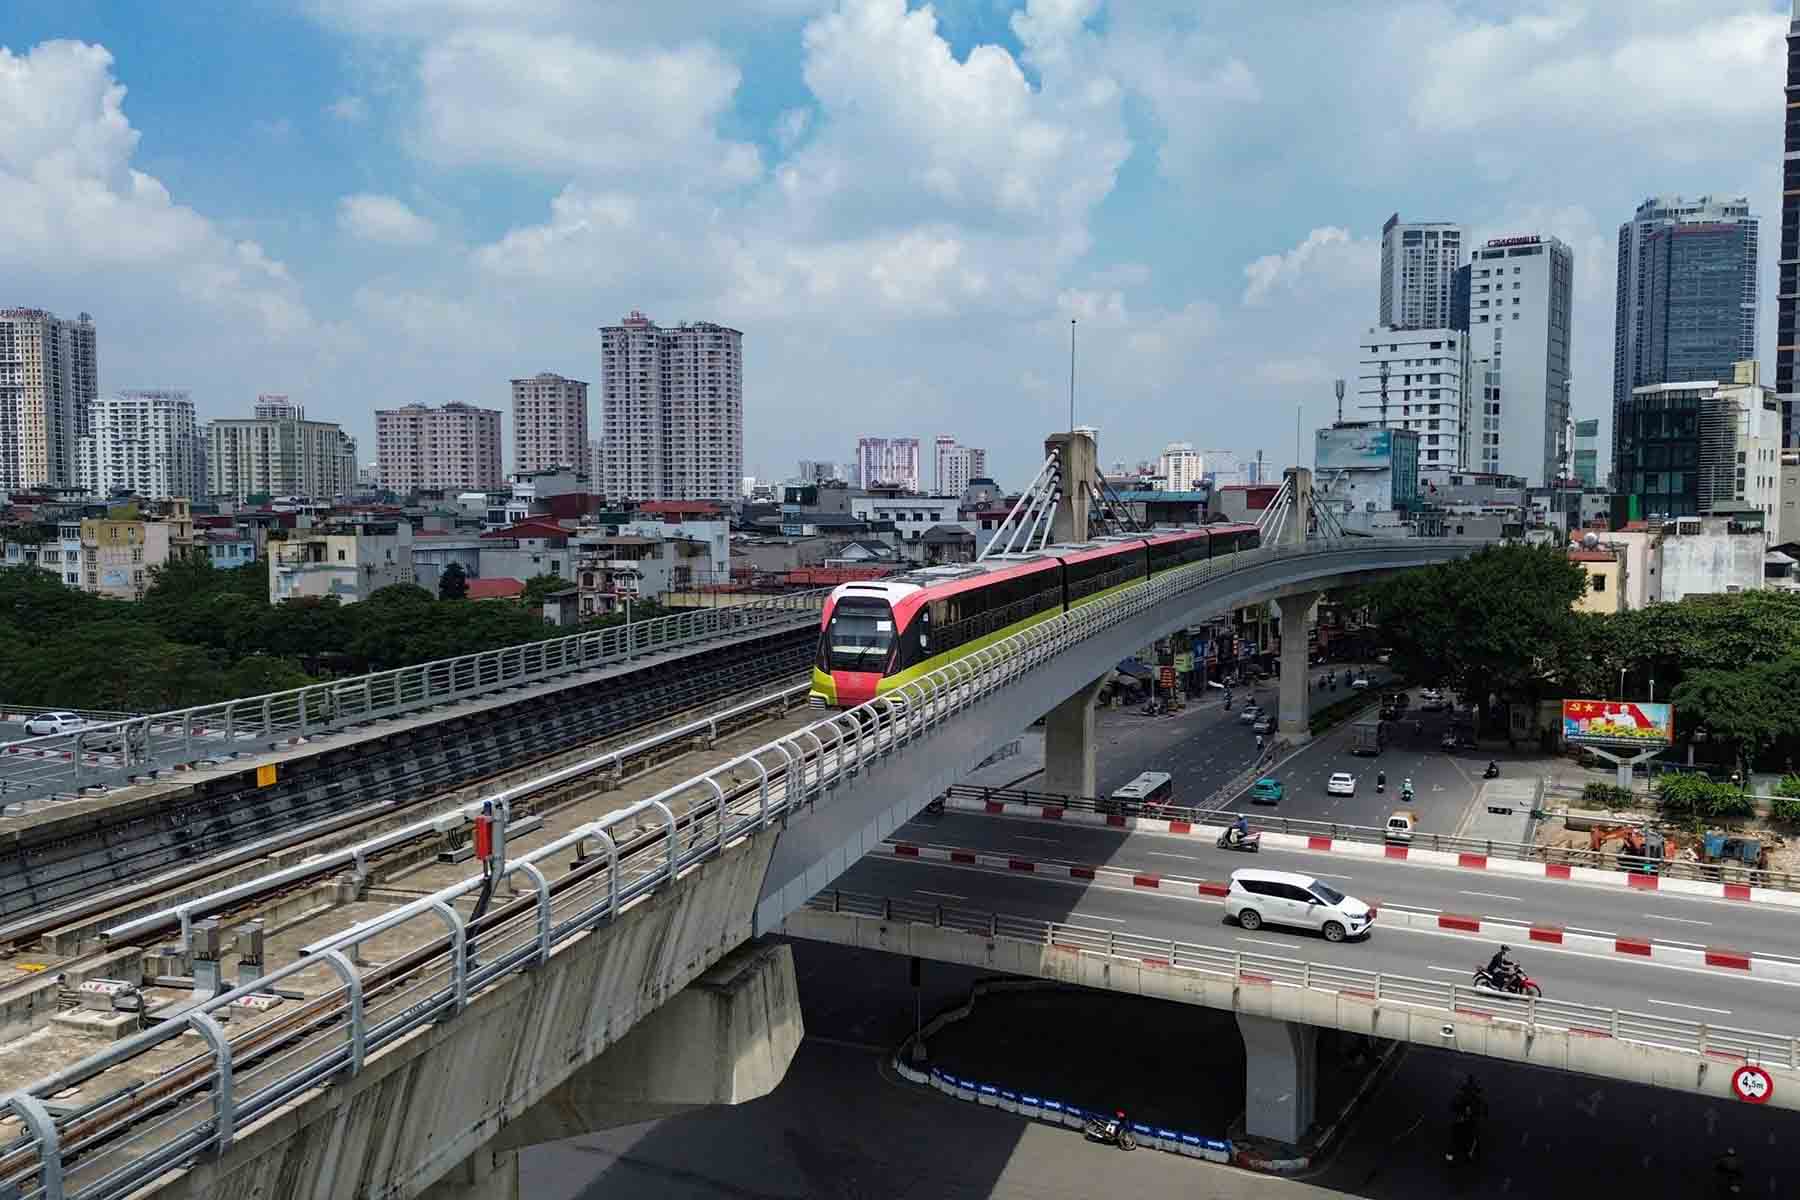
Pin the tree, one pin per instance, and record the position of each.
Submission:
(538, 587)
(453, 584)
(1751, 708)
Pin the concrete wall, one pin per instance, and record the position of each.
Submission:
(442, 1099)
(1589, 1053)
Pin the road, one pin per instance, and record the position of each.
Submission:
(1661, 989)
(840, 1128)
(1582, 908)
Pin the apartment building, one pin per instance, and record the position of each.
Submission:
(145, 443)
(672, 410)
(549, 423)
(278, 452)
(49, 379)
(455, 447)
(350, 560)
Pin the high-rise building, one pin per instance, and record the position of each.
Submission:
(888, 462)
(1686, 300)
(549, 423)
(1587, 452)
(954, 465)
(672, 410)
(820, 471)
(1182, 468)
(1418, 268)
(49, 380)
(456, 446)
(1700, 446)
(278, 452)
(145, 443)
(1521, 293)
(1787, 295)
(1418, 379)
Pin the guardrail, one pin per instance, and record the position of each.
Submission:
(127, 1129)
(1671, 1033)
(1673, 868)
(116, 751)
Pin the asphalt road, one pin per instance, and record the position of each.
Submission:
(1660, 989)
(840, 1128)
(1662, 916)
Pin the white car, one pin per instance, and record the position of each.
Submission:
(1258, 898)
(45, 724)
(1341, 783)
(1360, 682)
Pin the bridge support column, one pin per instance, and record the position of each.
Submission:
(1281, 1075)
(1080, 463)
(1069, 743)
(1296, 680)
(487, 1174)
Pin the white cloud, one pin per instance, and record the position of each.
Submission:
(351, 109)
(384, 219)
(791, 126)
(1329, 257)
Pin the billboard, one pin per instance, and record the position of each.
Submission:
(1617, 723)
(1336, 449)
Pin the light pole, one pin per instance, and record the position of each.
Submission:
(1071, 374)
(1621, 683)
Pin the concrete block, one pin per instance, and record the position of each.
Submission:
(97, 1026)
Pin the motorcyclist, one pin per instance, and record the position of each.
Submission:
(1240, 829)
(1406, 790)
(1380, 781)
(1493, 769)
(1259, 743)
(1501, 968)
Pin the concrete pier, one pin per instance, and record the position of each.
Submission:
(1281, 1077)
(1069, 744)
(1295, 726)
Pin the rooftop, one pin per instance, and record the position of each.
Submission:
(500, 588)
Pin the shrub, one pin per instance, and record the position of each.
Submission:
(1607, 795)
(1683, 796)
(1789, 787)
(1785, 808)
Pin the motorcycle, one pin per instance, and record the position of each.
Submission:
(1250, 843)
(1112, 1130)
(1381, 781)
(1492, 772)
(1447, 742)
(1517, 984)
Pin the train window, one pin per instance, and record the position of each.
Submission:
(860, 635)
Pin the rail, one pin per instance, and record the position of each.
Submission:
(1673, 868)
(41, 768)
(136, 1119)
(1699, 1038)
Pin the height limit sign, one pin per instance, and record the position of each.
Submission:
(1752, 1084)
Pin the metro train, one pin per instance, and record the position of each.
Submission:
(879, 635)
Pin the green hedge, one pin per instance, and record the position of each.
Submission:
(1694, 796)
(1606, 795)
(1785, 808)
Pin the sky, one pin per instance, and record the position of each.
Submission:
(367, 203)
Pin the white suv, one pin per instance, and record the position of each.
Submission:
(1256, 898)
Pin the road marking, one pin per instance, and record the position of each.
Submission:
(941, 895)
(1723, 1012)
(1267, 942)
(1595, 932)
(1166, 854)
(1681, 920)
(1096, 917)
(1327, 875)
(1493, 896)
(1450, 970)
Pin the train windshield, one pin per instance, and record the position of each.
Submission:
(860, 636)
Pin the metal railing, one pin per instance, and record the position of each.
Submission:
(1534, 1013)
(135, 1121)
(39, 768)
(1569, 856)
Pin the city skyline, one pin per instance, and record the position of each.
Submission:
(879, 259)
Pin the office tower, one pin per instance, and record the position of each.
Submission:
(954, 465)
(1418, 268)
(1418, 379)
(1519, 312)
(888, 462)
(145, 443)
(672, 410)
(455, 447)
(1694, 447)
(549, 423)
(1787, 318)
(278, 452)
(1587, 452)
(1182, 468)
(49, 379)
(1686, 300)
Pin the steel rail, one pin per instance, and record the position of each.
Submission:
(74, 1155)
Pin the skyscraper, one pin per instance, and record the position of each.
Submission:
(1787, 319)
(954, 465)
(549, 423)
(49, 379)
(1418, 268)
(145, 442)
(278, 452)
(455, 447)
(1418, 379)
(672, 410)
(1686, 301)
(888, 462)
(1521, 291)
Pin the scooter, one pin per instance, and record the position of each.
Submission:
(1520, 984)
(1380, 781)
(1492, 772)
(1250, 843)
(1111, 1130)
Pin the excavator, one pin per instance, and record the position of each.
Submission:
(1645, 848)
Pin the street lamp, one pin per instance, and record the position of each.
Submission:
(1621, 683)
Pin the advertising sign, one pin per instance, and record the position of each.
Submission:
(1349, 449)
(1184, 663)
(1617, 723)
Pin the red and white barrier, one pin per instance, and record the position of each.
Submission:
(1488, 929)
(1316, 843)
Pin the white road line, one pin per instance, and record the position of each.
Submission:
(1267, 942)
(1026, 837)
(1493, 896)
(1680, 920)
(940, 895)
(1593, 932)
(1327, 875)
(1166, 854)
(1097, 917)
(1723, 1012)
(1451, 970)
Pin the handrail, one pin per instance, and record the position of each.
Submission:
(117, 750)
(1673, 868)
(128, 1129)
(1691, 1037)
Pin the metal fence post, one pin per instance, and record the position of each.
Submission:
(353, 988)
(36, 1117)
(224, 1101)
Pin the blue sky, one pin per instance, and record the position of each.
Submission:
(368, 202)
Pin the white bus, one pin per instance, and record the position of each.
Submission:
(1152, 789)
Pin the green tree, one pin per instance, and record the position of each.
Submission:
(453, 584)
(1751, 708)
(540, 586)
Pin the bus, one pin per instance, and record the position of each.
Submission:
(1149, 791)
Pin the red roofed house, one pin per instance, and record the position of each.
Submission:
(503, 588)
